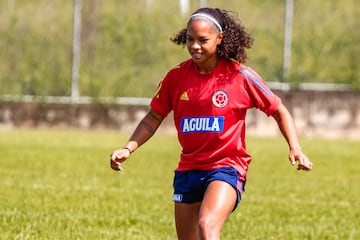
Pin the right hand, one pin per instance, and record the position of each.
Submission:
(296, 155)
(117, 157)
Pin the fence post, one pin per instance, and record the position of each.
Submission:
(289, 9)
(184, 6)
(76, 48)
(202, 3)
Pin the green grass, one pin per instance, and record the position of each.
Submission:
(58, 185)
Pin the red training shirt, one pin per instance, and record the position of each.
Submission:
(209, 112)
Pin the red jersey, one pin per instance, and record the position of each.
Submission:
(209, 112)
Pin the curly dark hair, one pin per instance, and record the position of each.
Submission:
(236, 38)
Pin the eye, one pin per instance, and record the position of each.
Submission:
(189, 38)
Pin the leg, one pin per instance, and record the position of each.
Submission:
(219, 201)
(186, 220)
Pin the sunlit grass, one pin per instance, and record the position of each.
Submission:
(58, 185)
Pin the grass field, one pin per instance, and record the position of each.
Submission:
(58, 185)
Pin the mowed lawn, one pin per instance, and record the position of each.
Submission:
(57, 184)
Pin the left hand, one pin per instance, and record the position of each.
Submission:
(117, 157)
(296, 155)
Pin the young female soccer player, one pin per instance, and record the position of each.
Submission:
(209, 95)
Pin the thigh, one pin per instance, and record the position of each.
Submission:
(219, 201)
(186, 220)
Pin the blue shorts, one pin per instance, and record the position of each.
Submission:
(190, 186)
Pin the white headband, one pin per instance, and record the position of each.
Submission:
(213, 20)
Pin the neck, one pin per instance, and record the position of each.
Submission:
(208, 66)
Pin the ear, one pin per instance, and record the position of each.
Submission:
(220, 38)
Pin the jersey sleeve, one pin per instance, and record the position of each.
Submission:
(262, 97)
(161, 101)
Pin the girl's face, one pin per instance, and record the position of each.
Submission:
(201, 41)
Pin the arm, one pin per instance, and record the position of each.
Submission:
(143, 132)
(288, 130)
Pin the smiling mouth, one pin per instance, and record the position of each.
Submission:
(196, 55)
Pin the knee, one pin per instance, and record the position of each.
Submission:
(203, 224)
(208, 229)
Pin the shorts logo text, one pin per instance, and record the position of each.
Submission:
(177, 197)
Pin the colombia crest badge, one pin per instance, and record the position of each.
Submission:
(220, 99)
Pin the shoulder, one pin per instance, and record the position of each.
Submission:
(183, 66)
(248, 72)
(251, 76)
(174, 75)
(254, 81)
(229, 66)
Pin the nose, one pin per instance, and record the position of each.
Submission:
(195, 45)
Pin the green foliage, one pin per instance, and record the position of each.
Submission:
(326, 43)
(126, 49)
(58, 185)
(35, 49)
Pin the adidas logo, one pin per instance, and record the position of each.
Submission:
(184, 96)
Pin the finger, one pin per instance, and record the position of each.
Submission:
(116, 166)
(292, 159)
(309, 166)
(306, 166)
(116, 156)
(301, 167)
(119, 168)
(112, 163)
(113, 156)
